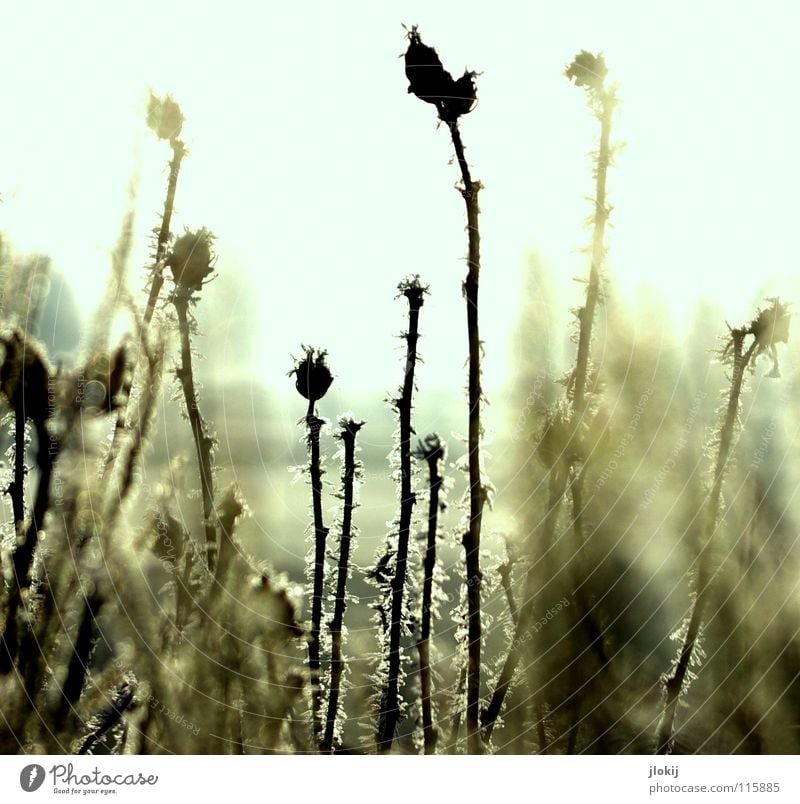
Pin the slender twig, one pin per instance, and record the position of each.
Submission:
(348, 435)
(432, 450)
(314, 425)
(16, 489)
(313, 378)
(674, 683)
(203, 442)
(157, 282)
(22, 561)
(477, 493)
(389, 714)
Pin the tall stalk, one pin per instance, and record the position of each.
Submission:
(770, 327)
(348, 433)
(313, 378)
(561, 449)
(430, 82)
(389, 714)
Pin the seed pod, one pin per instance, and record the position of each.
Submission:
(313, 378)
(164, 117)
(25, 376)
(192, 259)
(587, 70)
(427, 79)
(463, 94)
(771, 326)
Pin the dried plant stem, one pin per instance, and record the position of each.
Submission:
(477, 493)
(178, 152)
(22, 560)
(430, 733)
(16, 488)
(390, 705)
(314, 425)
(348, 436)
(525, 616)
(674, 683)
(203, 442)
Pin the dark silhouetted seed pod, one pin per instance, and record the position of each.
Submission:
(587, 70)
(25, 377)
(164, 117)
(427, 79)
(192, 259)
(313, 378)
(772, 324)
(462, 99)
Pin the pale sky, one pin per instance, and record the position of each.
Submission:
(326, 182)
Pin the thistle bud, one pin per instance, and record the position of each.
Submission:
(192, 259)
(587, 70)
(462, 99)
(313, 378)
(164, 117)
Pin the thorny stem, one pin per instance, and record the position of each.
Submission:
(203, 442)
(46, 454)
(16, 488)
(430, 734)
(674, 684)
(390, 709)
(348, 436)
(477, 493)
(525, 616)
(314, 426)
(178, 152)
(157, 283)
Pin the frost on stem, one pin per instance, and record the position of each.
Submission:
(769, 328)
(312, 381)
(430, 82)
(433, 451)
(390, 574)
(351, 474)
(191, 260)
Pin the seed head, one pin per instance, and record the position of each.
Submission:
(313, 377)
(25, 376)
(164, 117)
(192, 259)
(430, 82)
(771, 325)
(587, 70)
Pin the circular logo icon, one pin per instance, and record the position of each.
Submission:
(31, 778)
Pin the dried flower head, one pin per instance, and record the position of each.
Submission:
(164, 117)
(25, 376)
(192, 259)
(431, 448)
(313, 377)
(430, 82)
(771, 327)
(555, 437)
(587, 70)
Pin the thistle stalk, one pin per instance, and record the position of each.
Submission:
(432, 450)
(312, 382)
(203, 442)
(674, 683)
(389, 714)
(349, 431)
